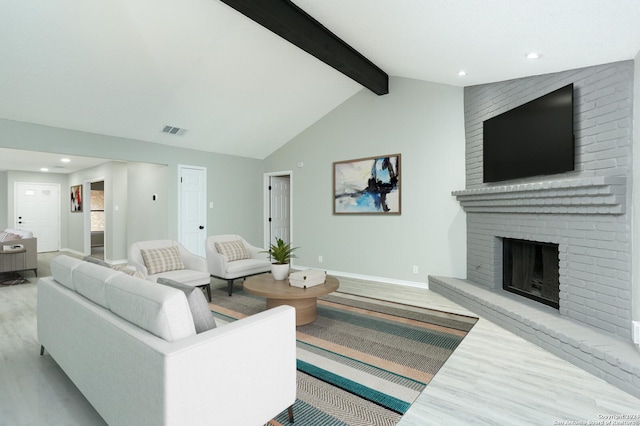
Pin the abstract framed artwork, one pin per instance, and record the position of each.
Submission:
(367, 185)
(76, 198)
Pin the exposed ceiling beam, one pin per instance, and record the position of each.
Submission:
(296, 26)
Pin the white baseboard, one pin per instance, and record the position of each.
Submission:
(361, 277)
(76, 252)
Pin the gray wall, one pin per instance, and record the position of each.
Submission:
(636, 195)
(423, 122)
(595, 244)
(4, 210)
(234, 184)
(146, 219)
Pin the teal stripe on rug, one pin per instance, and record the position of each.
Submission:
(418, 334)
(362, 391)
(387, 375)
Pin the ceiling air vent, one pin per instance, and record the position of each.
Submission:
(174, 130)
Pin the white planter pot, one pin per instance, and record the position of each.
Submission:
(280, 272)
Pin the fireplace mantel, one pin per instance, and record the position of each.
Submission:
(591, 195)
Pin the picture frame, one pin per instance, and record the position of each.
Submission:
(76, 198)
(368, 185)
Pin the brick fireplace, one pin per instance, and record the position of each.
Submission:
(585, 213)
(584, 216)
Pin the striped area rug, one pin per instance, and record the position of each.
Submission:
(363, 361)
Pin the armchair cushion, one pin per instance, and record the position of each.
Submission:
(163, 259)
(233, 250)
(202, 318)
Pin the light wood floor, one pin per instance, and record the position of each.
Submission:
(493, 378)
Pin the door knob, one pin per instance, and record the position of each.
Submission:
(200, 227)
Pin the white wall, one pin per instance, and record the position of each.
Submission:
(425, 123)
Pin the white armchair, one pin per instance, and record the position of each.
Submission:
(234, 258)
(170, 259)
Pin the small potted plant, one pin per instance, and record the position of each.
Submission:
(281, 254)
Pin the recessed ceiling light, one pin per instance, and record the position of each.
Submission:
(533, 55)
(461, 73)
(44, 169)
(65, 160)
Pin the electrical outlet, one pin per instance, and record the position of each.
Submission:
(320, 259)
(415, 269)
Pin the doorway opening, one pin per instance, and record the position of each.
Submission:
(97, 219)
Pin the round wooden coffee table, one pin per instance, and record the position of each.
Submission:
(281, 293)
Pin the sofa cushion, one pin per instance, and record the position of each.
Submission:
(61, 268)
(232, 250)
(249, 266)
(202, 317)
(90, 281)
(160, 310)
(162, 259)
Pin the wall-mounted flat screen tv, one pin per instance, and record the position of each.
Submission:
(533, 139)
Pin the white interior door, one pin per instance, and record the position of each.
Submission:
(192, 210)
(280, 208)
(37, 209)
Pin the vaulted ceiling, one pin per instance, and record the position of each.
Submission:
(129, 68)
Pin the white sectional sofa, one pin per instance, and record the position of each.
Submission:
(131, 348)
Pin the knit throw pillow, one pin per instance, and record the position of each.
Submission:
(128, 271)
(163, 259)
(202, 318)
(232, 250)
(6, 236)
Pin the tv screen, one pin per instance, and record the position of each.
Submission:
(531, 140)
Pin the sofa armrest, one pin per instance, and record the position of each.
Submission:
(139, 266)
(31, 245)
(216, 263)
(244, 372)
(257, 252)
(192, 261)
(31, 251)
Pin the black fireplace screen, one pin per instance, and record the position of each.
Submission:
(531, 269)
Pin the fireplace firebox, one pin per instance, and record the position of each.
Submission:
(531, 269)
